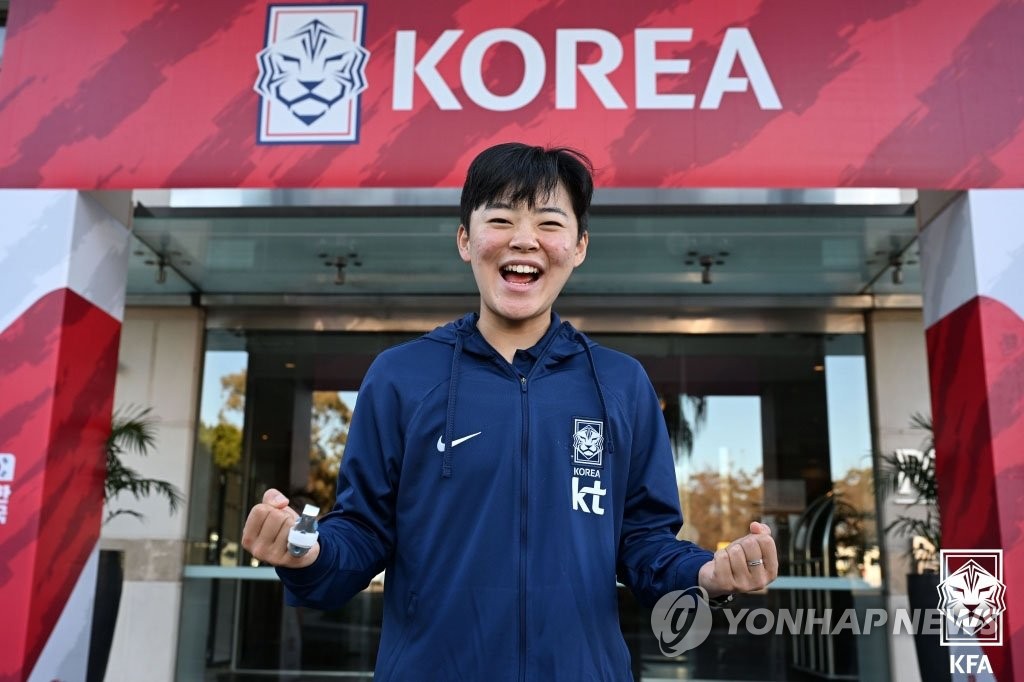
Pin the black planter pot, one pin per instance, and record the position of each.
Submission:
(932, 659)
(109, 578)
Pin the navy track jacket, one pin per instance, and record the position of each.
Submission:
(503, 507)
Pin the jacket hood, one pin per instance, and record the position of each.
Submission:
(465, 338)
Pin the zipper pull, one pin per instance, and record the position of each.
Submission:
(522, 382)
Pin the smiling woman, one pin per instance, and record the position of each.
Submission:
(521, 260)
(523, 231)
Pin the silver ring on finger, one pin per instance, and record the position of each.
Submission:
(755, 562)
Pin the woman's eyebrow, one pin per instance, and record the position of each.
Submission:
(497, 204)
(538, 209)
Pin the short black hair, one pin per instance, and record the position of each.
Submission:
(518, 173)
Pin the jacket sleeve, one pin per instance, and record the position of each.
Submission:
(652, 562)
(357, 537)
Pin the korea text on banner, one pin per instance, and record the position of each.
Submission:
(244, 93)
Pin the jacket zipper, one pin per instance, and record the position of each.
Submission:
(522, 534)
(523, 496)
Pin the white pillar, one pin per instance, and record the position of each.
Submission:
(972, 257)
(63, 267)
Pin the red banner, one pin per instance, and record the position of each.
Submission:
(237, 93)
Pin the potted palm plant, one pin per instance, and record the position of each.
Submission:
(132, 430)
(911, 478)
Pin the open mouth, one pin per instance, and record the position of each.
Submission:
(520, 274)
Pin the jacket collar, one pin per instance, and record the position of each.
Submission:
(559, 342)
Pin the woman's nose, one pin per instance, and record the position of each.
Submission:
(524, 237)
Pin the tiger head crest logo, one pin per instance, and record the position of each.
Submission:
(971, 598)
(588, 442)
(311, 70)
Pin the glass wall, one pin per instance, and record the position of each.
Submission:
(768, 427)
(775, 428)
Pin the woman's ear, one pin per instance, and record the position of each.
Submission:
(462, 239)
(581, 249)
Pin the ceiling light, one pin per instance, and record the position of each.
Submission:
(339, 263)
(894, 260)
(706, 261)
(163, 261)
(897, 269)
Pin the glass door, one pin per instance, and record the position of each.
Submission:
(773, 428)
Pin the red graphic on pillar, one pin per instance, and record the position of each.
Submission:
(977, 385)
(61, 354)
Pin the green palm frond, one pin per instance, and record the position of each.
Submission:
(133, 430)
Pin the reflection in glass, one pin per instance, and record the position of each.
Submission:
(856, 532)
(331, 414)
(217, 470)
(721, 479)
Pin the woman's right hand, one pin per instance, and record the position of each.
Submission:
(265, 534)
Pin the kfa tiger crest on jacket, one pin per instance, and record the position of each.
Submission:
(587, 460)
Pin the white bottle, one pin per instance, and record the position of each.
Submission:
(304, 533)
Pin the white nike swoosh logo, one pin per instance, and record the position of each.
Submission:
(440, 440)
